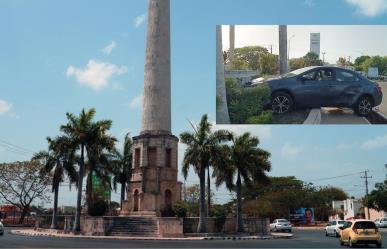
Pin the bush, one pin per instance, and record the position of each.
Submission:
(219, 212)
(266, 117)
(244, 103)
(180, 209)
(167, 212)
(98, 208)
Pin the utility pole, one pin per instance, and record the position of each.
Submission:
(366, 186)
(386, 170)
(283, 47)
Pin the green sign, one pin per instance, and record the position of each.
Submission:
(100, 190)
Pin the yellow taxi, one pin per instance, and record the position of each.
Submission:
(357, 232)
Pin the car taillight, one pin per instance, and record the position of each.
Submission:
(379, 87)
(354, 230)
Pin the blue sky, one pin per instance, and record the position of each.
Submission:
(62, 56)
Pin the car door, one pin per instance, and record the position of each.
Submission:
(346, 87)
(313, 90)
(346, 230)
(332, 227)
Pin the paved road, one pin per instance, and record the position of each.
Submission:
(302, 239)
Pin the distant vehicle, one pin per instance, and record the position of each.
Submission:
(357, 232)
(281, 225)
(1, 228)
(333, 228)
(381, 222)
(320, 86)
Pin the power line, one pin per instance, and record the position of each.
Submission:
(16, 146)
(333, 177)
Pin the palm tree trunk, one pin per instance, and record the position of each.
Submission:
(239, 204)
(54, 222)
(77, 222)
(202, 228)
(122, 193)
(208, 193)
(89, 190)
(222, 115)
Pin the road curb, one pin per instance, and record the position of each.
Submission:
(314, 117)
(52, 235)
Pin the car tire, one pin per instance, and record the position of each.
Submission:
(337, 234)
(281, 103)
(326, 233)
(341, 242)
(363, 106)
(379, 245)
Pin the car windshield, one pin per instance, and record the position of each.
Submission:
(282, 221)
(341, 222)
(296, 72)
(364, 225)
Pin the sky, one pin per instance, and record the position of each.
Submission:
(64, 56)
(336, 40)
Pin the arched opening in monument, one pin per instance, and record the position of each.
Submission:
(168, 199)
(135, 201)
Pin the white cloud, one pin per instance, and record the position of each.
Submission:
(96, 74)
(5, 107)
(136, 102)
(263, 132)
(289, 151)
(375, 143)
(369, 8)
(139, 20)
(109, 48)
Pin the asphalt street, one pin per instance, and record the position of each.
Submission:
(302, 239)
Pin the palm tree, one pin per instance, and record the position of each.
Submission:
(58, 160)
(123, 167)
(222, 115)
(245, 161)
(203, 149)
(89, 137)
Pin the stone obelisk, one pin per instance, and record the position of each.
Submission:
(153, 187)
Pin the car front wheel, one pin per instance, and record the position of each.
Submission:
(281, 103)
(363, 106)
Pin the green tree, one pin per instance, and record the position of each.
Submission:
(296, 63)
(359, 62)
(203, 150)
(21, 184)
(376, 61)
(268, 64)
(342, 61)
(378, 197)
(248, 57)
(312, 59)
(57, 161)
(123, 167)
(247, 162)
(91, 139)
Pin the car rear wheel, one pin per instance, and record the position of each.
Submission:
(326, 233)
(379, 245)
(363, 106)
(341, 242)
(281, 103)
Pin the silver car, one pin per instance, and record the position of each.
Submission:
(381, 222)
(282, 225)
(333, 228)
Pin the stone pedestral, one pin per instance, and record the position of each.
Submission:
(153, 186)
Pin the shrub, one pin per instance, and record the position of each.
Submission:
(266, 117)
(219, 212)
(98, 208)
(180, 209)
(167, 212)
(244, 103)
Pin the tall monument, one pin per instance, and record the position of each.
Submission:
(153, 187)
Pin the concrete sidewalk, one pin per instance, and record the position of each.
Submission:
(330, 115)
(52, 233)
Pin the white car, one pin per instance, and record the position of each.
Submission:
(381, 222)
(281, 225)
(333, 228)
(1, 229)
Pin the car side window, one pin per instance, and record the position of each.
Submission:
(333, 223)
(345, 76)
(309, 76)
(324, 75)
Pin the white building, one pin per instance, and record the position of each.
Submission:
(347, 209)
(315, 43)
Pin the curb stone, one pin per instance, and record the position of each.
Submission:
(37, 234)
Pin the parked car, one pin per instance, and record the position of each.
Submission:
(1, 228)
(321, 86)
(333, 228)
(381, 222)
(282, 225)
(357, 232)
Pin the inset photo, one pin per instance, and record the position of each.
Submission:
(301, 74)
